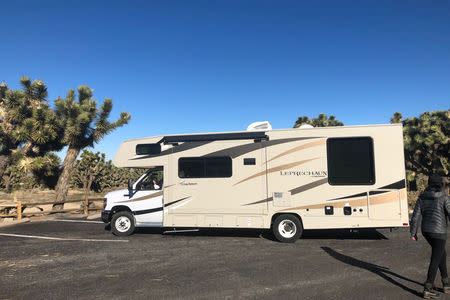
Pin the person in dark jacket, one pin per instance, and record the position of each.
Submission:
(434, 207)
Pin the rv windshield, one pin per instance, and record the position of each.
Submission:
(151, 180)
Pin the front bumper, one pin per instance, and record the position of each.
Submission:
(106, 216)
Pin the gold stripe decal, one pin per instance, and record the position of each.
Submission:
(260, 201)
(308, 186)
(360, 201)
(144, 197)
(279, 168)
(301, 147)
(296, 190)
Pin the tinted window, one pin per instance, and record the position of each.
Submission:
(350, 161)
(191, 168)
(148, 149)
(204, 167)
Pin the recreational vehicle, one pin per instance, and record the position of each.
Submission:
(285, 180)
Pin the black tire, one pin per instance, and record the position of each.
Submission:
(122, 223)
(287, 228)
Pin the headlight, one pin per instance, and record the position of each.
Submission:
(105, 201)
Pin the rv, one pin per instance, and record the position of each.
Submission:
(285, 180)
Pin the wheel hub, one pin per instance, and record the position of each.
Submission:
(287, 228)
(123, 224)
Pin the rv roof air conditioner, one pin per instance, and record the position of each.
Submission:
(257, 126)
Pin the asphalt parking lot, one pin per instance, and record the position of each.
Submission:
(57, 259)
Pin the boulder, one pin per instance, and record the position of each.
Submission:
(72, 205)
(46, 207)
(31, 209)
(96, 204)
(7, 220)
(58, 206)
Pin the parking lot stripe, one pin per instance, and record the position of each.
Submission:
(76, 221)
(58, 239)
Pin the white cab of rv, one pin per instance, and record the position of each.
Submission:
(285, 180)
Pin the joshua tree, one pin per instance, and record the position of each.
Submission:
(28, 126)
(83, 125)
(427, 143)
(88, 169)
(321, 121)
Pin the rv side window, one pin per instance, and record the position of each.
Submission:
(350, 161)
(204, 167)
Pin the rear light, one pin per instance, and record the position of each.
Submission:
(105, 201)
(405, 224)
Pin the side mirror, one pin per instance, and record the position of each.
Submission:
(130, 188)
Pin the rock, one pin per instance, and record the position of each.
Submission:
(32, 209)
(72, 205)
(58, 206)
(7, 220)
(46, 207)
(96, 204)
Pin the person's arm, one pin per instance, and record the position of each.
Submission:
(447, 205)
(414, 224)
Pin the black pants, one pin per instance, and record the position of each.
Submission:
(438, 259)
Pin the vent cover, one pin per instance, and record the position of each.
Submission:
(257, 126)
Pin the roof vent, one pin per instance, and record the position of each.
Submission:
(257, 126)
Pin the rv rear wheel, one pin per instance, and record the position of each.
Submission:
(122, 223)
(287, 228)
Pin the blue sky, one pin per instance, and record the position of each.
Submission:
(205, 66)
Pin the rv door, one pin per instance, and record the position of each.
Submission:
(146, 197)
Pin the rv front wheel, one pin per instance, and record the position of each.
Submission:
(287, 228)
(122, 223)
